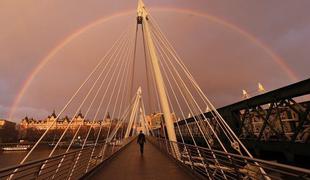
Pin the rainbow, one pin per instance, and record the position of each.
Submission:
(277, 59)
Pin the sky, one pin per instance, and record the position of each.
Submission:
(227, 45)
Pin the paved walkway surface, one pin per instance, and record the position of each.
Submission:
(129, 164)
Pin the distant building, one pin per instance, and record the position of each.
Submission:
(282, 120)
(8, 132)
(154, 120)
(62, 123)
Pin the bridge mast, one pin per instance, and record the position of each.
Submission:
(142, 18)
(134, 112)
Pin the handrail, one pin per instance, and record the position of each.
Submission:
(233, 166)
(54, 168)
(248, 158)
(40, 160)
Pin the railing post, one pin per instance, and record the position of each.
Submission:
(77, 157)
(40, 169)
(189, 156)
(59, 165)
(203, 163)
(173, 150)
(231, 160)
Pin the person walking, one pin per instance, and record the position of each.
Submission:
(141, 141)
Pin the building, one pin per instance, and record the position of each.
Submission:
(8, 132)
(62, 123)
(282, 121)
(154, 120)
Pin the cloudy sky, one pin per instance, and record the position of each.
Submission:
(227, 45)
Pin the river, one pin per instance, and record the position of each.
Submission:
(10, 158)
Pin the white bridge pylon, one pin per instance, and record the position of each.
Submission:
(142, 18)
(137, 116)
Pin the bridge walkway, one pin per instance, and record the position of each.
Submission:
(129, 164)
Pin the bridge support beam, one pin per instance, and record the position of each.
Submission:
(160, 85)
(133, 113)
(142, 18)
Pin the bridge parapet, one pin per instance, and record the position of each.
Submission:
(72, 165)
(275, 115)
(277, 122)
(214, 164)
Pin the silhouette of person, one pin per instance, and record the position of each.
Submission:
(141, 141)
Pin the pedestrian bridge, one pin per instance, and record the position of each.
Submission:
(111, 153)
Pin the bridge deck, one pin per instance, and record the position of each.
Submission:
(129, 164)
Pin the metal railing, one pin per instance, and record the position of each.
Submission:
(71, 165)
(214, 164)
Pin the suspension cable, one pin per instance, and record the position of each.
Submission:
(68, 103)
